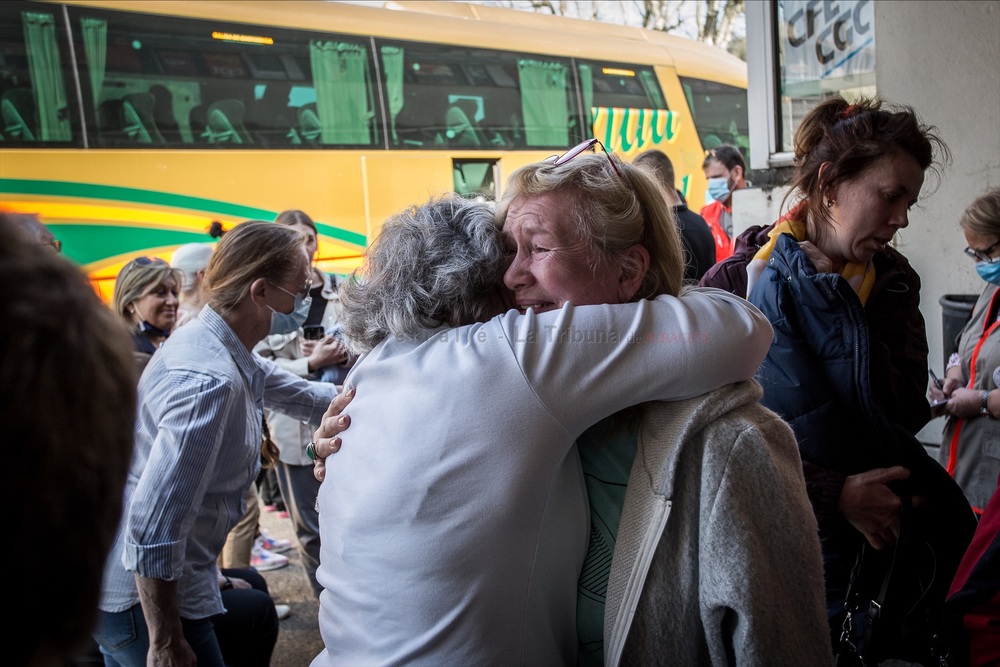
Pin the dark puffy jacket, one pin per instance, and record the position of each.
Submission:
(849, 379)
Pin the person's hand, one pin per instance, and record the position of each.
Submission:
(822, 263)
(306, 347)
(325, 441)
(870, 505)
(327, 352)
(177, 653)
(936, 394)
(964, 403)
(950, 385)
(240, 584)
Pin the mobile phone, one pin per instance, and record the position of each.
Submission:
(313, 332)
(937, 407)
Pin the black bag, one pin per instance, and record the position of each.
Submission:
(895, 598)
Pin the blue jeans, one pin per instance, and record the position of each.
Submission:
(124, 639)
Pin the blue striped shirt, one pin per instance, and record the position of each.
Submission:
(197, 450)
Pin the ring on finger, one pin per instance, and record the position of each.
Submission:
(311, 451)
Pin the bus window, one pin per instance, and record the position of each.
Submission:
(475, 178)
(720, 113)
(34, 101)
(441, 96)
(627, 108)
(180, 82)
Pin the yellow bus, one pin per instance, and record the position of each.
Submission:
(131, 127)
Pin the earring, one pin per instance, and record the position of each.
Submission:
(830, 203)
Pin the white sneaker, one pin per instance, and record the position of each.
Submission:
(263, 560)
(275, 546)
(284, 611)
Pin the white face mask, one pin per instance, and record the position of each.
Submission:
(286, 323)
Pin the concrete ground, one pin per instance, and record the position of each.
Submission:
(298, 638)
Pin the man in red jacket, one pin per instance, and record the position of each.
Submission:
(726, 171)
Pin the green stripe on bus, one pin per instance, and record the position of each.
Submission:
(85, 244)
(18, 186)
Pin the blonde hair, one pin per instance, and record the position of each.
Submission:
(612, 212)
(136, 280)
(983, 215)
(252, 250)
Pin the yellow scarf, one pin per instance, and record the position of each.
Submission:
(861, 277)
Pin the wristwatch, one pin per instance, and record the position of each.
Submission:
(984, 405)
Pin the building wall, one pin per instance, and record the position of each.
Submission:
(943, 59)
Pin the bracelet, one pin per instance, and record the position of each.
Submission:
(227, 585)
(984, 407)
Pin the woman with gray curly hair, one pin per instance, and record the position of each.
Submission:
(454, 521)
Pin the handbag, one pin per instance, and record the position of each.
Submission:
(895, 597)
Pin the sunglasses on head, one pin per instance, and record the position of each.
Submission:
(146, 261)
(557, 160)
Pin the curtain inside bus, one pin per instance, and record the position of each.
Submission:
(543, 102)
(340, 76)
(587, 90)
(392, 63)
(46, 76)
(95, 47)
(652, 89)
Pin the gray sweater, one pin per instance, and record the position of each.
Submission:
(718, 559)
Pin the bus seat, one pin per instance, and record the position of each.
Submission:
(225, 123)
(17, 110)
(198, 122)
(459, 129)
(270, 120)
(163, 113)
(137, 118)
(310, 128)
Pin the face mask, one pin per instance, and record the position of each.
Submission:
(989, 272)
(718, 189)
(286, 323)
(148, 329)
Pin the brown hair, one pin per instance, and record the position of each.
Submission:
(294, 217)
(659, 164)
(67, 405)
(850, 139)
(612, 213)
(252, 250)
(728, 156)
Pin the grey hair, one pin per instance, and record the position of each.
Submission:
(439, 263)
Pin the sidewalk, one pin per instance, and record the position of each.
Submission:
(298, 638)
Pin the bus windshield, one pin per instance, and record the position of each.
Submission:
(720, 113)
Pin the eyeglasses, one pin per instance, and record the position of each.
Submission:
(557, 160)
(305, 288)
(984, 255)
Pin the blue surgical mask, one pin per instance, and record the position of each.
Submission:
(989, 272)
(718, 189)
(286, 323)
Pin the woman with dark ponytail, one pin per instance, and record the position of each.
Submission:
(848, 371)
